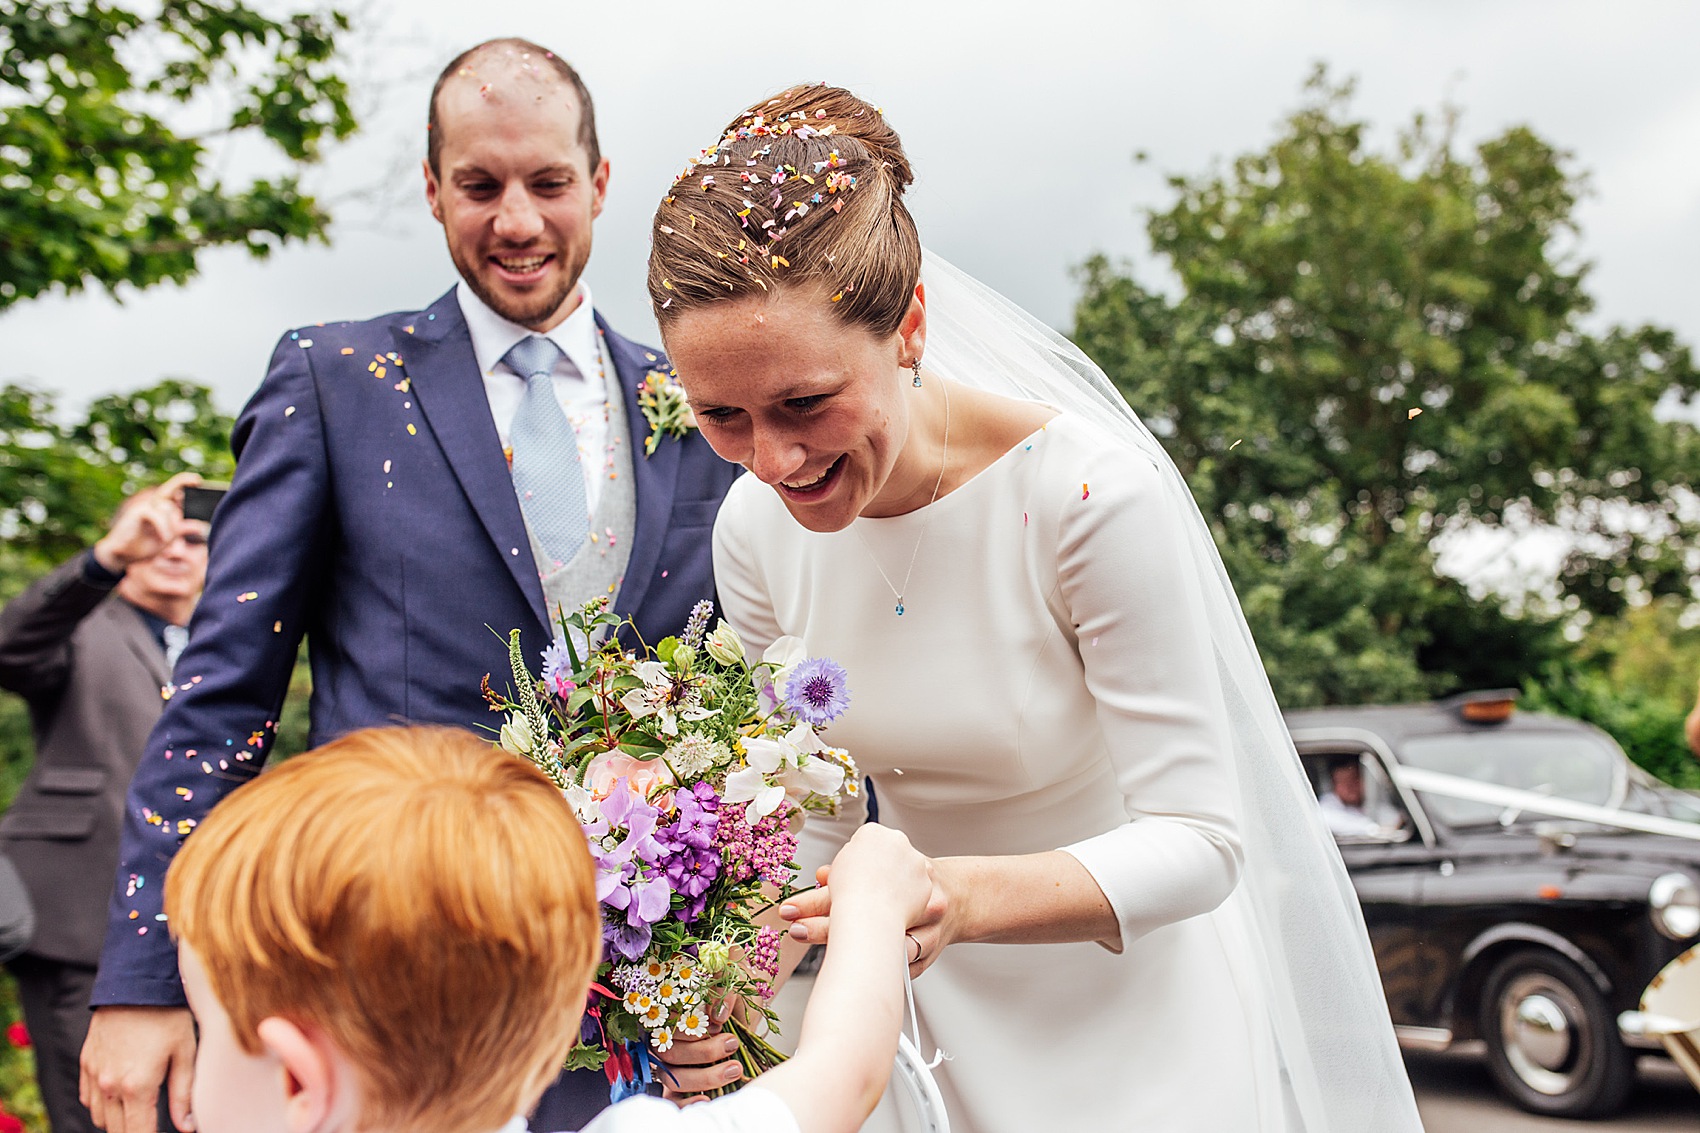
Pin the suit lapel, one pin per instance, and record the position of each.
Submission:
(438, 359)
(656, 476)
(137, 638)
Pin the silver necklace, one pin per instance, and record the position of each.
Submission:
(944, 461)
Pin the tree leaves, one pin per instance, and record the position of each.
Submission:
(60, 482)
(1330, 290)
(98, 187)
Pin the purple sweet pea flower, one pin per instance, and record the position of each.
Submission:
(623, 807)
(630, 941)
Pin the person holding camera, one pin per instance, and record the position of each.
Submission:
(90, 647)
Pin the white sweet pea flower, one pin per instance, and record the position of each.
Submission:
(782, 656)
(767, 755)
(651, 673)
(803, 741)
(750, 785)
(814, 776)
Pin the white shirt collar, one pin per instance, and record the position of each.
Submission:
(493, 336)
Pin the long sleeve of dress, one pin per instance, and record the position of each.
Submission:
(1139, 627)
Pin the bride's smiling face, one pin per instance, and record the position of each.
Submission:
(812, 407)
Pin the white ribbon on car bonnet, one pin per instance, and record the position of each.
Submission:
(1457, 787)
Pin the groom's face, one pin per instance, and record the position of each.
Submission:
(515, 192)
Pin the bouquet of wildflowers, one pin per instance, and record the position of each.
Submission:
(691, 770)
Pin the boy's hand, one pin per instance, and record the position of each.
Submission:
(130, 1051)
(880, 869)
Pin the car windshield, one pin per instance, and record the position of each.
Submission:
(1567, 765)
(1648, 795)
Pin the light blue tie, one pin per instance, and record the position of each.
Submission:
(547, 475)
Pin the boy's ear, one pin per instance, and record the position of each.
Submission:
(313, 1078)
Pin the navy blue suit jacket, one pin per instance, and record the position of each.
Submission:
(372, 509)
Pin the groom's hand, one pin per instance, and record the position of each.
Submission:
(130, 1051)
(695, 1066)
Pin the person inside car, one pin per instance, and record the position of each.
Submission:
(1343, 804)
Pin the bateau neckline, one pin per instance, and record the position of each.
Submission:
(1024, 445)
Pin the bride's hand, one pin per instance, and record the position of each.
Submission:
(695, 1066)
(905, 876)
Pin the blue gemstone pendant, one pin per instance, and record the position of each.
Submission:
(900, 609)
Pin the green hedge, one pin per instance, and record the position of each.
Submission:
(1649, 728)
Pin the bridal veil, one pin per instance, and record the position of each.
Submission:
(1341, 1069)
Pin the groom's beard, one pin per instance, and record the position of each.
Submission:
(535, 308)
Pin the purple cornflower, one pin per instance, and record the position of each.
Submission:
(557, 673)
(818, 690)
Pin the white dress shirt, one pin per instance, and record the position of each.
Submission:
(582, 395)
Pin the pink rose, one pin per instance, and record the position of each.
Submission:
(644, 777)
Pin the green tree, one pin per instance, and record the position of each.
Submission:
(108, 118)
(1371, 350)
(59, 485)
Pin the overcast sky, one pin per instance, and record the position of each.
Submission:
(1021, 118)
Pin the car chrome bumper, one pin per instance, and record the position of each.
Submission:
(1423, 1038)
(1643, 1029)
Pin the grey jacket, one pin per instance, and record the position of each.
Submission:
(91, 671)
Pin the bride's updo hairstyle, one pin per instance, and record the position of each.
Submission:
(803, 192)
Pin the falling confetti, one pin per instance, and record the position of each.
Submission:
(248, 597)
(1410, 414)
(1085, 492)
(1235, 445)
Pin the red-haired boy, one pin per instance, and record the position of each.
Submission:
(396, 932)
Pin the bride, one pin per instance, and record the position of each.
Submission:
(1139, 922)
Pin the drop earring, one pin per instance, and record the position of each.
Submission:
(916, 366)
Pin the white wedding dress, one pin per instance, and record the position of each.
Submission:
(1049, 685)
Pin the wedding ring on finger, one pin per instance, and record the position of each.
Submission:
(916, 959)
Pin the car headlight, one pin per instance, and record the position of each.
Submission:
(1675, 902)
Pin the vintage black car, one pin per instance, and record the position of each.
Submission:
(1521, 879)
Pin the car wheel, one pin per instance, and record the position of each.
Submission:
(1552, 1039)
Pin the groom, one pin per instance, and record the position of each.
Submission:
(374, 510)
